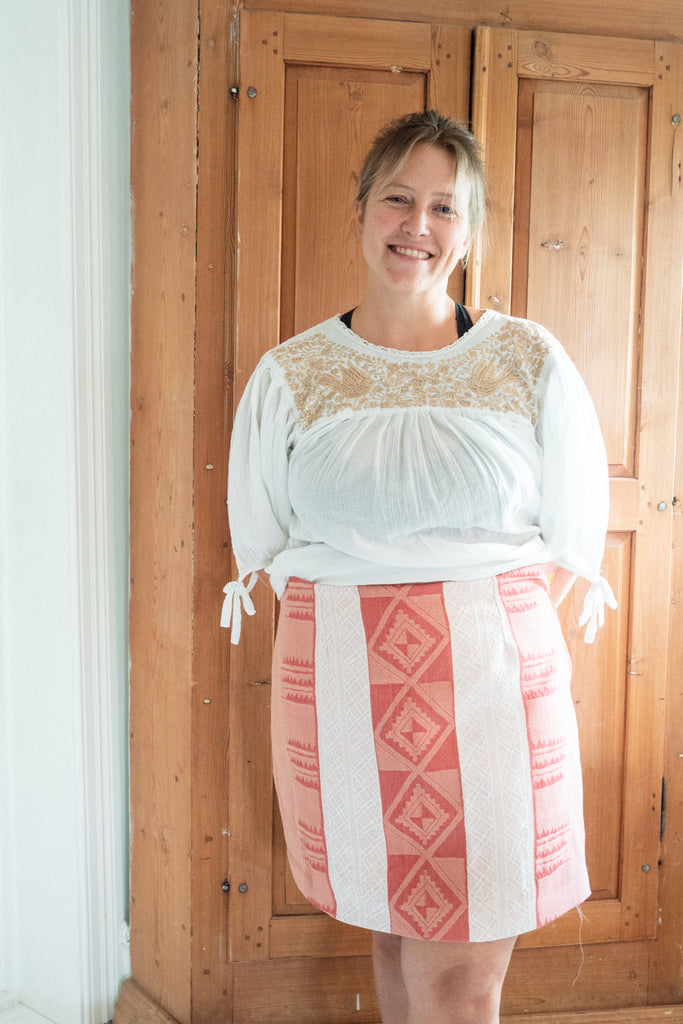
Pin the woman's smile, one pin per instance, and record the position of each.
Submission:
(416, 254)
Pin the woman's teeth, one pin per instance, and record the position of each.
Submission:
(417, 254)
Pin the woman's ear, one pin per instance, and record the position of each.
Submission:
(360, 210)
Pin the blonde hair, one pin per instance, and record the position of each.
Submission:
(394, 143)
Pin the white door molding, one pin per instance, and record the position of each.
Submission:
(64, 282)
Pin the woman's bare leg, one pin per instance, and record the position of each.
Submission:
(420, 982)
(389, 985)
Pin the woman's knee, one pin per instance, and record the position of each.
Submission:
(464, 980)
(455, 986)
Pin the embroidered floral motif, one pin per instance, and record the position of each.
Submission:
(500, 373)
(351, 382)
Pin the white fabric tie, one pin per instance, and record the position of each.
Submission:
(593, 612)
(237, 598)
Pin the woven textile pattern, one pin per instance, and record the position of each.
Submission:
(426, 757)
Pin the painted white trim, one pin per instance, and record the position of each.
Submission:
(64, 283)
(102, 910)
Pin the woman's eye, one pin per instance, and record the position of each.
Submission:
(396, 199)
(447, 211)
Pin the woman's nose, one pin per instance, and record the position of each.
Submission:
(416, 222)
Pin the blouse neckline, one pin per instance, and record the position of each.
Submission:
(348, 335)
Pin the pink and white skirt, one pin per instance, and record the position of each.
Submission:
(426, 755)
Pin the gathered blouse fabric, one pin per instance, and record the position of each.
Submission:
(352, 463)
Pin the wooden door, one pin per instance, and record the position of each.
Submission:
(313, 93)
(578, 139)
(581, 141)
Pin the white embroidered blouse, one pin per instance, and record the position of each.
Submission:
(352, 463)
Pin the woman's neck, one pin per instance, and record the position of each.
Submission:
(406, 322)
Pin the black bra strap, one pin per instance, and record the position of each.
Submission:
(463, 320)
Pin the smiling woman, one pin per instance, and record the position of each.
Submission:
(415, 229)
(404, 475)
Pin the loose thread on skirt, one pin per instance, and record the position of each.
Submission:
(582, 918)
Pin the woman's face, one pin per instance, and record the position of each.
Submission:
(414, 229)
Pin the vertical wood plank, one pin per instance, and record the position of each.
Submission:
(259, 219)
(494, 122)
(259, 190)
(661, 340)
(448, 90)
(164, 103)
(666, 970)
(216, 271)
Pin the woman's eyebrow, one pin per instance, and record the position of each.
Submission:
(408, 188)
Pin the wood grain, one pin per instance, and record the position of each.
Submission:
(631, 1015)
(661, 343)
(581, 243)
(666, 981)
(257, 328)
(620, 18)
(164, 169)
(135, 1006)
(389, 45)
(583, 58)
(494, 122)
(211, 969)
(333, 990)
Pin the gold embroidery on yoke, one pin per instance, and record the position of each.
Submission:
(500, 373)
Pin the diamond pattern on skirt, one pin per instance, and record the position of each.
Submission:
(409, 669)
(412, 728)
(428, 902)
(406, 639)
(424, 814)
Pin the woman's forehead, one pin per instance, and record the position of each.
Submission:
(455, 183)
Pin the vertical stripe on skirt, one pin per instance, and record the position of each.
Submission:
(425, 755)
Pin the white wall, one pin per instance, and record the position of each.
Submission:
(64, 357)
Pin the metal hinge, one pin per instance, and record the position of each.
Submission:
(662, 819)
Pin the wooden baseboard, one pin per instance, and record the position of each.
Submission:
(632, 1015)
(135, 1006)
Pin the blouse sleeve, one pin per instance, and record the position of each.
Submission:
(258, 498)
(575, 484)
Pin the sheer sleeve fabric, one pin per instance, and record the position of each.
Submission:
(575, 483)
(258, 499)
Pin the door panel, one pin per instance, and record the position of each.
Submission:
(313, 92)
(578, 245)
(331, 116)
(577, 186)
